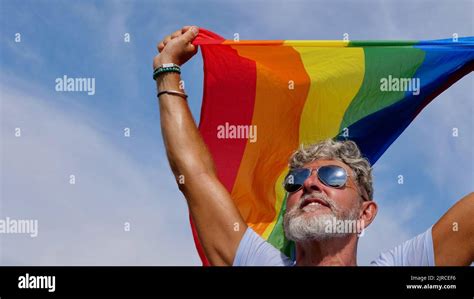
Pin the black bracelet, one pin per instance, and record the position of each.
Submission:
(166, 68)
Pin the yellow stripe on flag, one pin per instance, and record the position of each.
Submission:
(317, 43)
(336, 77)
(328, 96)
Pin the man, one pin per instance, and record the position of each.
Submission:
(329, 181)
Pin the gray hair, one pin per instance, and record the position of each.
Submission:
(345, 151)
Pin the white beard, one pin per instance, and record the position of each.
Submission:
(300, 227)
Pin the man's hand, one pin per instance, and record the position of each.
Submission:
(177, 48)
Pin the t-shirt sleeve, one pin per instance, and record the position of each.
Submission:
(417, 251)
(253, 250)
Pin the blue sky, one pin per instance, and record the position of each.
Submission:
(122, 179)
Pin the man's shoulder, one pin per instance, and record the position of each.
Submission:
(418, 251)
(253, 250)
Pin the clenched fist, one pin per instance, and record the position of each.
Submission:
(177, 48)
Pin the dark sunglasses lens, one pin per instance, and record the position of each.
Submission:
(333, 176)
(295, 179)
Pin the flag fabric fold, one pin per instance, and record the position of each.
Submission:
(262, 99)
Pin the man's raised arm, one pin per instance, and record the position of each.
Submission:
(453, 234)
(218, 222)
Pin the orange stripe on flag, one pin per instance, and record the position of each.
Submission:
(282, 88)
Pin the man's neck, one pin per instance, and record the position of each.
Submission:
(330, 252)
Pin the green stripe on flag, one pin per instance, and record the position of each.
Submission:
(385, 63)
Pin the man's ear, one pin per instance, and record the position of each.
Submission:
(368, 211)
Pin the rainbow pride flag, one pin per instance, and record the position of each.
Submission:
(262, 99)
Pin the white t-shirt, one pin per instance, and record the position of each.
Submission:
(253, 250)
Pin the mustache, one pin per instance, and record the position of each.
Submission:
(321, 196)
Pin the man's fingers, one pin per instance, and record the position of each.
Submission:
(185, 28)
(167, 39)
(160, 47)
(190, 34)
(163, 43)
(176, 34)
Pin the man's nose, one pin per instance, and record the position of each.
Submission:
(312, 183)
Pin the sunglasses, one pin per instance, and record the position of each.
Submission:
(330, 175)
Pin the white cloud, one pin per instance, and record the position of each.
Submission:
(451, 158)
(23, 51)
(83, 224)
(390, 228)
(366, 19)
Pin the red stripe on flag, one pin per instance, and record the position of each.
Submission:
(226, 91)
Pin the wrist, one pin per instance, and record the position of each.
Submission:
(162, 59)
(166, 68)
(168, 81)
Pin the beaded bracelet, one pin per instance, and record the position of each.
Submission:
(166, 68)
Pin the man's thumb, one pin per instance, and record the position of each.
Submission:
(191, 34)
